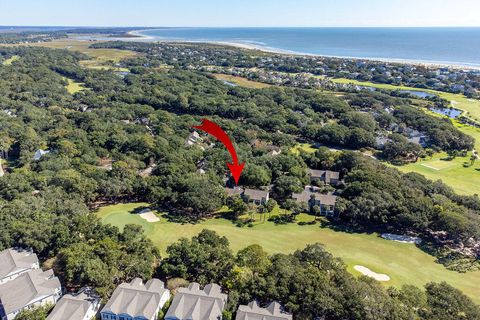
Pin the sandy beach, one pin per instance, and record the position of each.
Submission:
(139, 36)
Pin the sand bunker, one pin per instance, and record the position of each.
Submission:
(369, 273)
(149, 216)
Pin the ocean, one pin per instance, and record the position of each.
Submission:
(454, 46)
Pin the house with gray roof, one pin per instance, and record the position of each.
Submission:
(136, 300)
(255, 196)
(82, 306)
(31, 289)
(16, 261)
(325, 176)
(252, 311)
(312, 197)
(235, 191)
(192, 303)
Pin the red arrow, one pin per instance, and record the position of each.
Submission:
(213, 129)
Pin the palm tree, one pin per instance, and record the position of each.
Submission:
(473, 158)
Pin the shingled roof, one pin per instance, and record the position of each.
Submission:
(136, 299)
(193, 303)
(306, 195)
(13, 261)
(324, 175)
(74, 307)
(235, 191)
(254, 194)
(27, 288)
(254, 312)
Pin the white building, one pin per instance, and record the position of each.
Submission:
(16, 261)
(136, 300)
(31, 289)
(39, 154)
(81, 306)
(192, 303)
(252, 311)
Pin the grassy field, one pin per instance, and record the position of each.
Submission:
(464, 180)
(10, 60)
(74, 87)
(243, 82)
(307, 147)
(100, 57)
(459, 101)
(404, 263)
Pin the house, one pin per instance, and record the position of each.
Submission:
(235, 191)
(194, 304)
(274, 311)
(274, 152)
(31, 289)
(81, 306)
(311, 196)
(16, 261)
(255, 196)
(193, 138)
(136, 300)
(325, 176)
(39, 154)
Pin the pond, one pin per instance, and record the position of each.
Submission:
(449, 112)
(419, 94)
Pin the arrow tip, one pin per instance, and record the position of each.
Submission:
(236, 170)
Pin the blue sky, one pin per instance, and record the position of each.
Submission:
(301, 13)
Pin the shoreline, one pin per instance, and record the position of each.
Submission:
(249, 46)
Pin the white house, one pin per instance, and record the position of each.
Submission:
(16, 261)
(81, 306)
(252, 311)
(192, 303)
(31, 289)
(39, 154)
(135, 300)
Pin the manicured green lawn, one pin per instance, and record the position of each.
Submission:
(459, 101)
(464, 180)
(404, 263)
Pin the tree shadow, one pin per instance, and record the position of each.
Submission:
(340, 226)
(139, 210)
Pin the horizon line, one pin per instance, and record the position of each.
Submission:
(253, 27)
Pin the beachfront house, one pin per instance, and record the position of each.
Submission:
(314, 199)
(31, 289)
(16, 261)
(193, 303)
(324, 176)
(252, 311)
(136, 300)
(81, 306)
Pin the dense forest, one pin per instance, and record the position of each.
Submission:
(103, 140)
